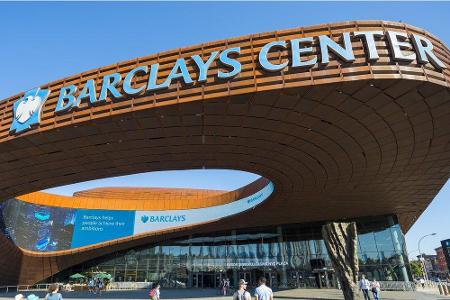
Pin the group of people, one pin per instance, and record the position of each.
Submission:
(367, 286)
(52, 294)
(95, 285)
(262, 292)
(224, 286)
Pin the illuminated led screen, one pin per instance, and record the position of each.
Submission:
(44, 228)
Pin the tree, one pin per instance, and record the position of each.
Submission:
(416, 268)
(342, 245)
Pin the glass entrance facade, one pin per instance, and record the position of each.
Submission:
(291, 255)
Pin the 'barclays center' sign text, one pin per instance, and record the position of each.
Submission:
(304, 53)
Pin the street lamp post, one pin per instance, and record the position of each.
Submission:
(425, 275)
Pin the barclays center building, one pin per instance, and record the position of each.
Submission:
(342, 122)
(288, 255)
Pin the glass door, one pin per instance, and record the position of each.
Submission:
(272, 280)
(197, 280)
(208, 280)
(324, 279)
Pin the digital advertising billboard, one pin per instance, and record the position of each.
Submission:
(37, 228)
(45, 228)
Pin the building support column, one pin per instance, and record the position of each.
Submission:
(189, 264)
(158, 257)
(283, 273)
(342, 245)
(235, 271)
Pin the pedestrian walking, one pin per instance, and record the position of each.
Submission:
(221, 282)
(94, 287)
(241, 293)
(53, 293)
(364, 286)
(375, 287)
(100, 286)
(422, 282)
(263, 292)
(155, 292)
(91, 285)
(226, 286)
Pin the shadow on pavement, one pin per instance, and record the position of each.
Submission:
(305, 298)
(213, 294)
(129, 294)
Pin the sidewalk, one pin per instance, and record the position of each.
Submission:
(210, 294)
(432, 291)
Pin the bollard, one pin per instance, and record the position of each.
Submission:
(441, 290)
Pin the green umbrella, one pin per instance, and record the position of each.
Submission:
(77, 276)
(103, 276)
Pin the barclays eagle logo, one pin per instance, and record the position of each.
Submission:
(27, 110)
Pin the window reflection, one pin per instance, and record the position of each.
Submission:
(290, 254)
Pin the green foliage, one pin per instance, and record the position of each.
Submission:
(416, 268)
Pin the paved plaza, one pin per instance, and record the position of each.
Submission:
(209, 294)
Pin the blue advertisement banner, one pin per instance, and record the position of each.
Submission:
(96, 226)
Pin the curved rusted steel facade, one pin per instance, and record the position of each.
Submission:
(334, 139)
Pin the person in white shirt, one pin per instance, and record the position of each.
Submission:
(364, 286)
(422, 282)
(263, 292)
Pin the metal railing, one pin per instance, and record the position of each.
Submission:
(129, 285)
(24, 288)
(397, 286)
(44, 287)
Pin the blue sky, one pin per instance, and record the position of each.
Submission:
(42, 42)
